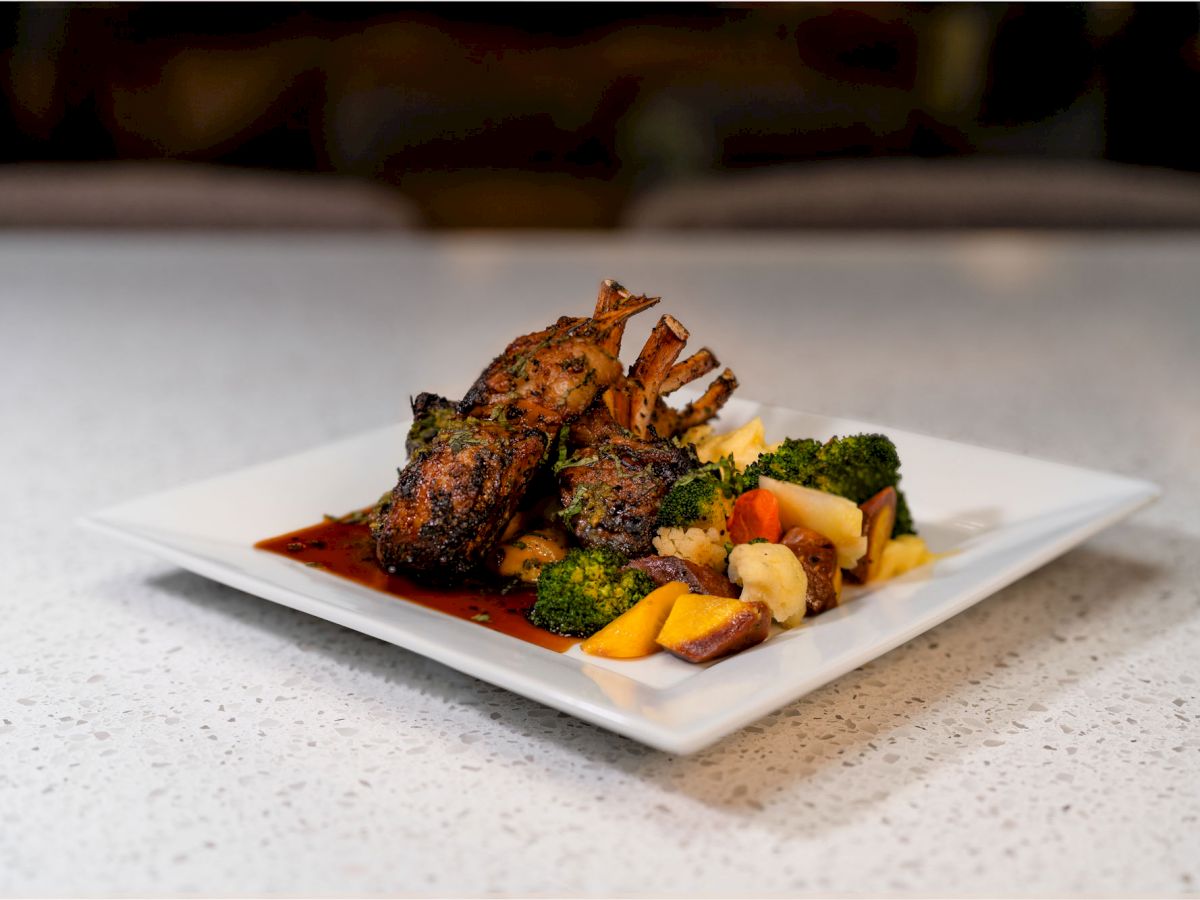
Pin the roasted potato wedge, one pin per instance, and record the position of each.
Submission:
(632, 634)
(818, 556)
(879, 520)
(699, 579)
(703, 627)
(523, 557)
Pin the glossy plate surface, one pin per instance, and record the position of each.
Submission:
(1003, 515)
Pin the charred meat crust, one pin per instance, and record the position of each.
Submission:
(452, 501)
(472, 463)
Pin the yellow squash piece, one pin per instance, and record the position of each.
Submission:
(745, 444)
(632, 633)
(903, 554)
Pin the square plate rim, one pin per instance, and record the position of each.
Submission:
(687, 738)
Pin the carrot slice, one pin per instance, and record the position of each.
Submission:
(755, 517)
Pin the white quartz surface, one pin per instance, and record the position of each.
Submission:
(163, 734)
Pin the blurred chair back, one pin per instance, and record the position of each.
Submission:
(929, 193)
(152, 194)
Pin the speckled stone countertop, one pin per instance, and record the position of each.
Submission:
(163, 734)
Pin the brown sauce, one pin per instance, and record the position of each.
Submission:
(346, 549)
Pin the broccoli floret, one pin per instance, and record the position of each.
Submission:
(583, 592)
(904, 521)
(793, 461)
(856, 467)
(693, 500)
(701, 497)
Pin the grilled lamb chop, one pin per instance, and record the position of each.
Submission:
(473, 465)
(550, 377)
(611, 494)
(621, 467)
(636, 400)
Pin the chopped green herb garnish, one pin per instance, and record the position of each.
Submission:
(575, 507)
(573, 462)
(568, 460)
(461, 438)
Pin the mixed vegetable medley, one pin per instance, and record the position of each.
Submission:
(772, 531)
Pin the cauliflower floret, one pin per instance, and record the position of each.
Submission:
(745, 444)
(703, 546)
(771, 574)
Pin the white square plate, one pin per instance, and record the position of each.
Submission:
(1003, 515)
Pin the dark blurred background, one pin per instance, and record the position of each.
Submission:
(598, 115)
